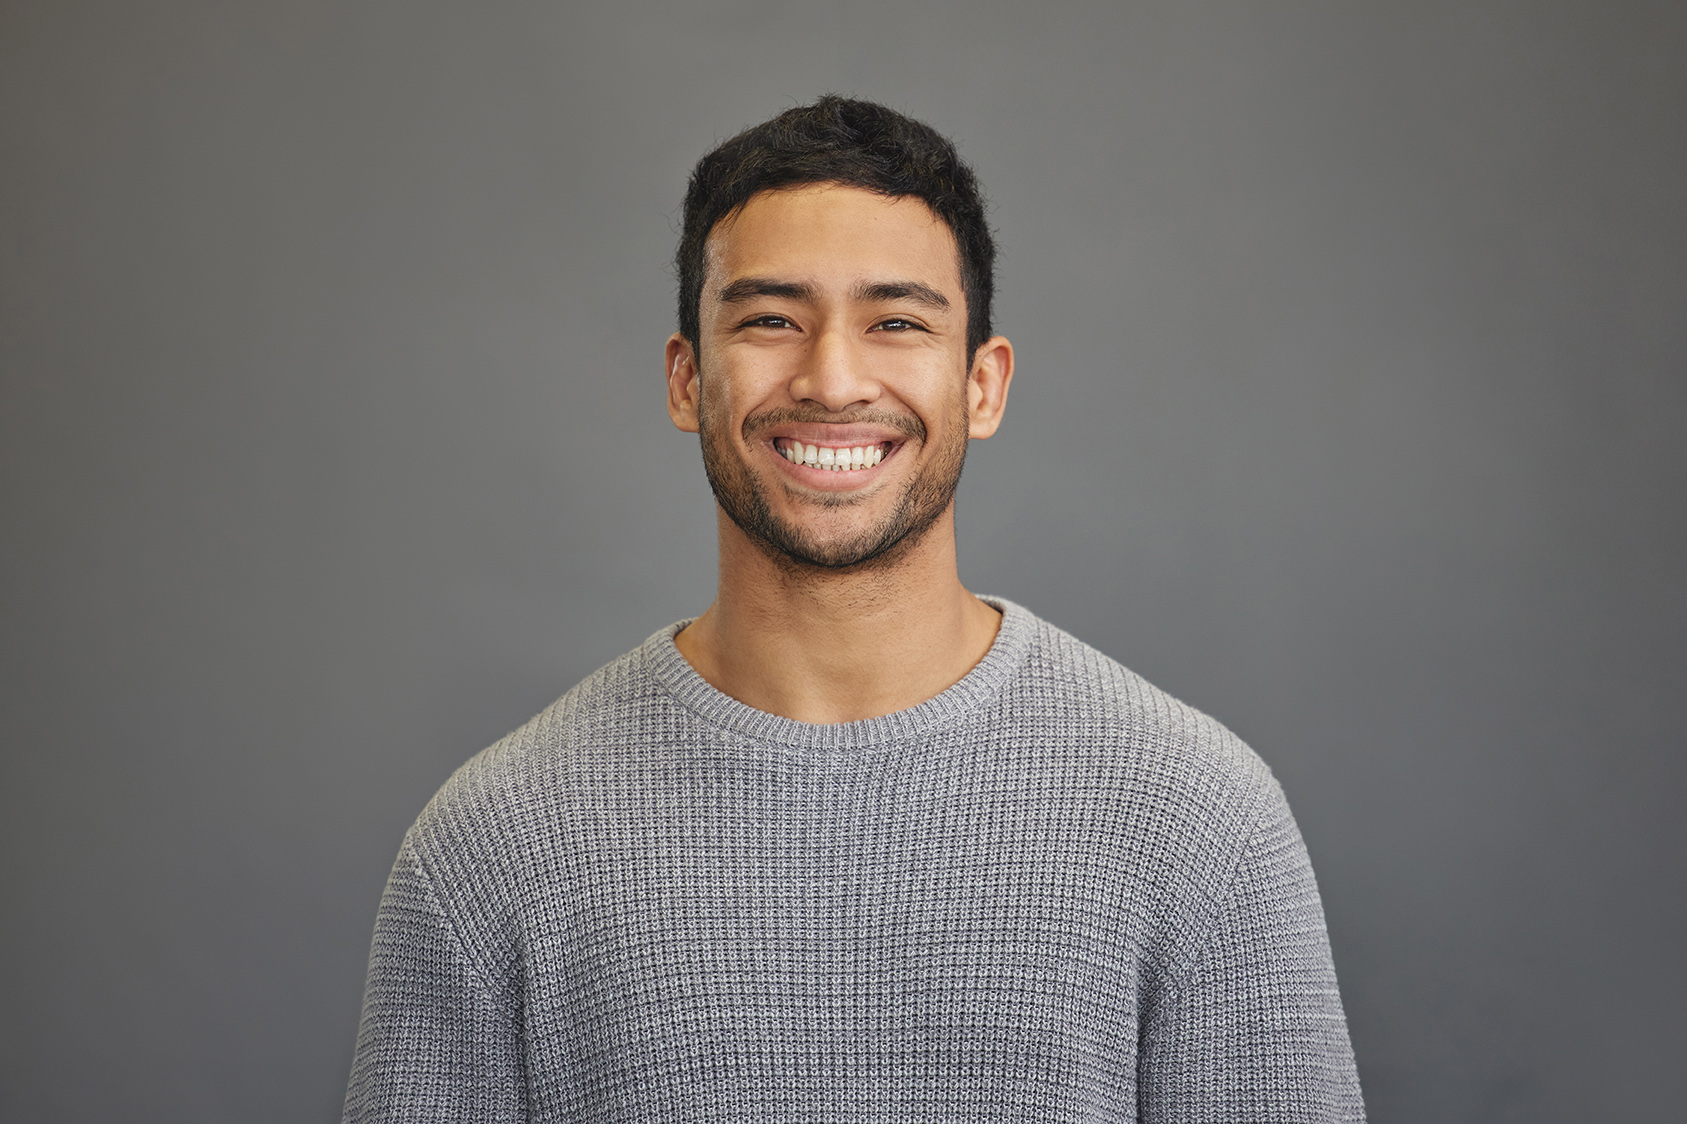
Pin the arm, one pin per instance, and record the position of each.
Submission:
(436, 1041)
(1253, 1029)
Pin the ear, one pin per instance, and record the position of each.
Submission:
(987, 386)
(682, 383)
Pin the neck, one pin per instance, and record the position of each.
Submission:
(831, 646)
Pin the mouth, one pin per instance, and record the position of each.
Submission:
(833, 458)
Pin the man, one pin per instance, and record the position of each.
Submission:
(854, 844)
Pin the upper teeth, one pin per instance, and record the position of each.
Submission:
(833, 459)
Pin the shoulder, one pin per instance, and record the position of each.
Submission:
(482, 839)
(1100, 712)
(519, 777)
(1173, 796)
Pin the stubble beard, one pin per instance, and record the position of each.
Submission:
(742, 495)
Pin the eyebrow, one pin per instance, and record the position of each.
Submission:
(745, 288)
(748, 288)
(914, 291)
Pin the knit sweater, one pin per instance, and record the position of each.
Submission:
(1050, 893)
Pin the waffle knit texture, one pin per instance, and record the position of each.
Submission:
(1051, 893)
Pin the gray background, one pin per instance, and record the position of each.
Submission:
(1353, 369)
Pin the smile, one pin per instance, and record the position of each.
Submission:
(830, 457)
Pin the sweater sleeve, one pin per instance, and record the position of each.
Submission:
(436, 1041)
(1254, 1030)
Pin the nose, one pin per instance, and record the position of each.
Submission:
(835, 374)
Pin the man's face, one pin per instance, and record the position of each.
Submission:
(832, 388)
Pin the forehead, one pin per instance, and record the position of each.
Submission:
(831, 233)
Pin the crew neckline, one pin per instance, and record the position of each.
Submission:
(1000, 664)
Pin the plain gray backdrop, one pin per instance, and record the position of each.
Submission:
(1352, 385)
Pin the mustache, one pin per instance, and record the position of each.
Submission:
(906, 424)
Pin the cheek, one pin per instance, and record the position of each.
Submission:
(741, 388)
(722, 409)
(942, 393)
(713, 414)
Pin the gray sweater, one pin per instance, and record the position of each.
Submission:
(1051, 893)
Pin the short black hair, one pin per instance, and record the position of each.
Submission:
(850, 142)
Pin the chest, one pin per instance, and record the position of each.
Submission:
(831, 953)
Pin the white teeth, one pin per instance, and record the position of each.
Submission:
(833, 459)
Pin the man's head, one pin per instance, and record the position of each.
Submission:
(843, 141)
(829, 362)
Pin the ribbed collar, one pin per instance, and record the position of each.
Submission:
(999, 665)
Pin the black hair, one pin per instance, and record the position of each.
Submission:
(854, 143)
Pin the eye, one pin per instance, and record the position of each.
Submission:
(898, 324)
(767, 320)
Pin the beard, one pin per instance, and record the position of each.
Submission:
(743, 496)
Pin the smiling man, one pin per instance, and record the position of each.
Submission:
(854, 844)
(842, 387)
